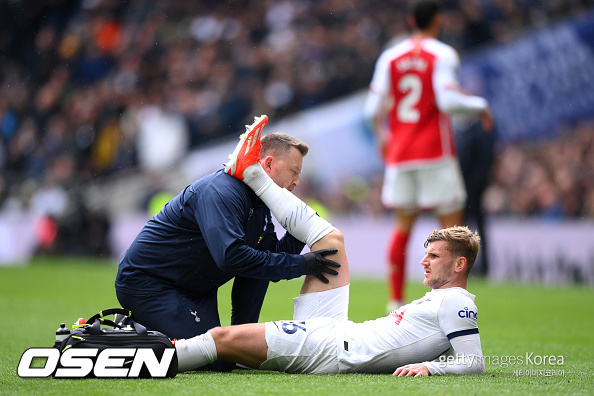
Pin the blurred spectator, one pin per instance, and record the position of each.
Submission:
(157, 195)
(162, 138)
(550, 179)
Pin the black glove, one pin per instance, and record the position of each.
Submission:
(315, 264)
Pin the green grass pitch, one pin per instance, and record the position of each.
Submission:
(514, 320)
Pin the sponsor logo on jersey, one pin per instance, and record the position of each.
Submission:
(466, 313)
(398, 314)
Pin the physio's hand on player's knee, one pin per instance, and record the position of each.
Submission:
(316, 264)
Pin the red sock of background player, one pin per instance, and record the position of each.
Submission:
(397, 258)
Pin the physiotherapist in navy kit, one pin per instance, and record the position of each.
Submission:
(215, 230)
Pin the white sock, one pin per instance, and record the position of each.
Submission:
(195, 352)
(256, 178)
(293, 214)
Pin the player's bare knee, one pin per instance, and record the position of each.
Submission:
(219, 334)
(333, 240)
(223, 338)
(336, 238)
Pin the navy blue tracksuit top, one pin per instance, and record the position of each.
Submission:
(207, 235)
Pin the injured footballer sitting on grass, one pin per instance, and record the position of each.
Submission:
(320, 338)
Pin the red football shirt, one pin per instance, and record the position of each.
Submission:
(409, 73)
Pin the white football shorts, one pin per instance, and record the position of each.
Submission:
(438, 187)
(307, 344)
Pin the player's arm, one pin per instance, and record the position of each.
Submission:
(457, 318)
(375, 104)
(450, 99)
(378, 102)
(467, 359)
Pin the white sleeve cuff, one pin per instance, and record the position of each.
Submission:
(468, 358)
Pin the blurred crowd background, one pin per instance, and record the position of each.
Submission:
(93, 88)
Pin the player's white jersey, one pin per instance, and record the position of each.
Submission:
(417, 332)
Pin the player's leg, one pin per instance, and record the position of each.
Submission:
(332, 240)
(397, 245)
(444, 190)
(298, 218)
(244, 344)
(448, 220)
(303, 223)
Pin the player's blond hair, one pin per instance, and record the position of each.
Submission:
(461, 242)
(281, 143)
